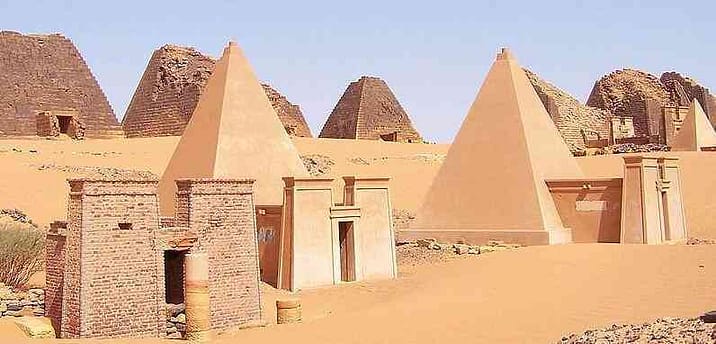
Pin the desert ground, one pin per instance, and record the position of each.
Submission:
(527, 295)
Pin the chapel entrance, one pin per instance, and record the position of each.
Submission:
(64, 123)
(347, 248)
(174, 276)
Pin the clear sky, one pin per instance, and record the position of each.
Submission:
(433, 55)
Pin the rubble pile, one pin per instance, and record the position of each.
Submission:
(665, 330)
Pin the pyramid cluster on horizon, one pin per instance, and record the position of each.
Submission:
(49, 91)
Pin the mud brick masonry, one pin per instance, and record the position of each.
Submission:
(369, 110)
(106, 270)
(170, 88)
(43, 73)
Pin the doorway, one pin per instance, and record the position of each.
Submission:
(174, 276)
(64, 123)
(347, 247)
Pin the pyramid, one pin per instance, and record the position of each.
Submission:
(696, 133)
(369, 110)
(233, 133)
(492, 183)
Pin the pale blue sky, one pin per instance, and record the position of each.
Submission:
(434, 56)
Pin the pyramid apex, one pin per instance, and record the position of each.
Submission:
(232, 43)
(505, 54)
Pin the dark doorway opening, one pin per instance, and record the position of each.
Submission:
(390, 137)
(347, 242)
(174, 276)
(64, 123)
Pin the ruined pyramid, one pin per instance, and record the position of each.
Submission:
(170, 88)
(233, 133)
(696, 133)
(492, 183)
(369, 110)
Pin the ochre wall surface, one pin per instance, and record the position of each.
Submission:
(45, 73)
(594, 213)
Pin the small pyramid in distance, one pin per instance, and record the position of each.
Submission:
(234, 132)
(492, 183)
(696, 132)
(369, 110)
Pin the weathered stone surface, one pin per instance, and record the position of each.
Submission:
(666, 330)
(36, 327)
(633, 94)
(369, 110)
(579, 125)
(170, 89)
(683, 90)
(47, 73)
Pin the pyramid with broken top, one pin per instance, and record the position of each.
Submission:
(233, 133)
(696, 133)
(492, 183)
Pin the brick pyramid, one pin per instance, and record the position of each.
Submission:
(492, 183)
(233, 133)
(696, 132)
(369, 110)
(47, 73)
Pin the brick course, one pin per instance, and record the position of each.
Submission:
(47, 73)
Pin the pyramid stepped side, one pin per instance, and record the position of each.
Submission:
(492, 183)
(47, 73)
(696, 132)
(234, 132)
(367, 110)
(569, 115)
(168, 92)
(290, 114)
(170, 88)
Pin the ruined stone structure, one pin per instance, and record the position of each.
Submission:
(636, 95)
(170, 89)
(168, 92)
(530, 190)
(580, 126)
(696, 132)
(113, 271)
(45, 84)
(684, 90)
(369, 110)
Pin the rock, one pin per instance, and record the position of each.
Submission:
(436, 247)
(474, 250)
(36, 327)
(37, 291)
(425, 242)
(181, 327)
(174, 309)
(172, 329)
(13, 305)
(181, 318)
(3, 307)
(174, 335)
(487, 249)
(461, 249)
(495, 243)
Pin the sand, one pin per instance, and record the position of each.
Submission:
(528, 295)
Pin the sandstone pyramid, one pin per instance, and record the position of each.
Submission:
(574, 120)
(687, 89)
(492, 183)
(171, 87)
(696, 133)
(47, 73)
(233, 133)
(369, 110)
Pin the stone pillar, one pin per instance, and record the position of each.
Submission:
(196, 288)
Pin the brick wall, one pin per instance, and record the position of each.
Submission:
(691, 90)
(170, 88)
(45, 73)
(54, 270)
(111, 242)
(368, 109)
(221, 213)
(574, 120)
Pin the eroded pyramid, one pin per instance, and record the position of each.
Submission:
(492, 183)
(233, 133)
(696, 132)
(369, 110)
